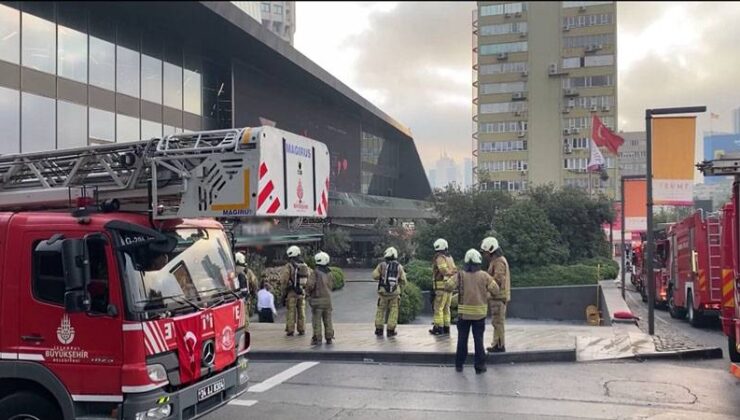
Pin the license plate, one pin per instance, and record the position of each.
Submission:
(211, 389)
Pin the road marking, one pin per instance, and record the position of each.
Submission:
(282, 377)
(243, 403)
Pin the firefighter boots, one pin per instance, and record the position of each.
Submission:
(446, 330)
(391, 333)
(436, 330)
(379, 332)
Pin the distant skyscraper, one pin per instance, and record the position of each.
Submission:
(736, 119)
(467, 173)
(447, 171)
(277, 16)
(432, 176)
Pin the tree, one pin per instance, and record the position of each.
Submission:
(336, 242)
(577, 217)
(397, 236)
(527, 236)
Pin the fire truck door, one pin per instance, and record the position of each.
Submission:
(83, 349)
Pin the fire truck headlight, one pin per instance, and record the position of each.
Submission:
(156, 373)
(156, 413)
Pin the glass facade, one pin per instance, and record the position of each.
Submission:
(151, 79)
(10, 102)
(72, 55)
(102, 64)
(38, 123)
(39, 44)
(102, 126)
(72, 125)
(379, 165)
(10, 34)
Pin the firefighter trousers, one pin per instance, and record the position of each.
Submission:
(498, 319)
(295, 318)
(321, 317)
(441, 305)
(387, 304)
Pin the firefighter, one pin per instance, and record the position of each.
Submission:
(293, 280)
(473, 286)
(391, 280)
(443, 267)
(318, 291)
(247, 283)
(498, 267)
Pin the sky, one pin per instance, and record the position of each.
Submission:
(413, 60)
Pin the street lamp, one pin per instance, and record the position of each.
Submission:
(649, 113)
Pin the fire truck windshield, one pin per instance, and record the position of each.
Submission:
(197, 271)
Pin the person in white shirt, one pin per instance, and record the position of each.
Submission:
(266, 304)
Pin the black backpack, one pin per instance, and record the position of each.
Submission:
(389, 279)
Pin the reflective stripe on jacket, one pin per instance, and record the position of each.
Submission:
(474, 288)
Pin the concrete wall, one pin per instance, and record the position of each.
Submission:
(561, 303)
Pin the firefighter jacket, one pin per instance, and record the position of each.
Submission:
(384, 288)
(318, 288)
(443, 267)
(293, 279)
(473, 288)
(499, 269)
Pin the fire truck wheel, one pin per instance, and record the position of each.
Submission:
(694, 317)
(674, 311)
(732, 350)
(28, 406)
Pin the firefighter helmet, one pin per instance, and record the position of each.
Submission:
(322, 258)
(440, 245)
(240, 259)
(473, 257)
(391, 253)
(293, 251)
(490, 244)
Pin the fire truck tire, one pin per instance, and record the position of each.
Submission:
(28, 406)
(694, 317)
(732, 350)
(673, 310)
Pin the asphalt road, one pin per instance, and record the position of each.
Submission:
(607, 390)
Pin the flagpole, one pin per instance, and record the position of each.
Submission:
(590, 187)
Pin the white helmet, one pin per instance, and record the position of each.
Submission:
(440, 245)
(293, 251)
(490, 244)
(322, 258)
(240, 259)
(390, 253)
(473, 257)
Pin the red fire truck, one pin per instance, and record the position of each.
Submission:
(729, 165)
(695, 289)
(118, 294)
(660, 271)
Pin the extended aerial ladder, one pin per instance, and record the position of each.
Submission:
(220, 173)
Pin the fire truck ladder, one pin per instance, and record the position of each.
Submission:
(715, 258)
(142, 175)
(726, 165)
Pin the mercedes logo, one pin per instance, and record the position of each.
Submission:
(209, 353)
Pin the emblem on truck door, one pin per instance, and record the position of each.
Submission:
(65, 331)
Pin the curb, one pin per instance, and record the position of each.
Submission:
(535, 356)
(693, 354)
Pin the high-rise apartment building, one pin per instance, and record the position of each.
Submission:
(633, 154)
(543, 69)
(279, 17)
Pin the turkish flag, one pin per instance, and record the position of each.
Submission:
(225, 321)
(189, 347)
(604, 137)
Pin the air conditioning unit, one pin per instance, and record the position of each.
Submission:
(567, 109)
(522, 134)
(523, 34)
(571, 103)
(518, 14)
(519, 96)
(525, 73)
(518, 113)
(593, 48)
(507, 15)
(502, 56)
(552, 69)
(566, 28)
(606, 108)
(570, 92)
(582, 9)
(594, 108)
(567, 149)
(575, 130)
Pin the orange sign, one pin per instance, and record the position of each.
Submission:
(673, 141)
(635, 205)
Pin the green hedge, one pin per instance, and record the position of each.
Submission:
(411, 304)
(555, 275)
(419, 273)
(338, 275)
(609, 267)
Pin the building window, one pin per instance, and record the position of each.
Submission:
(38, 125)
(509, 87)
(127, 128)
(150, 130)
(504, 146)
(504, 28)
(102, 126)
(172, 86)
(586, 40)
(169, 130)
(265, 7)
(500, 9)
(72, 125)
(48, 272)
(503, 127)
(578, 143)
(498, 68)
(102, 64)
(507, 47)
(583, 21)
(588, 61)
(585, 122)
(127, 71)
(568, 4)
(192, 89)
(576, 164)
(506, 185)
(10, 120)
(503, 107)
(39, 44)
(277, 9)
(10, 29)
(588, 81)
(504, 165)
(72, 55)
(151, 79)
